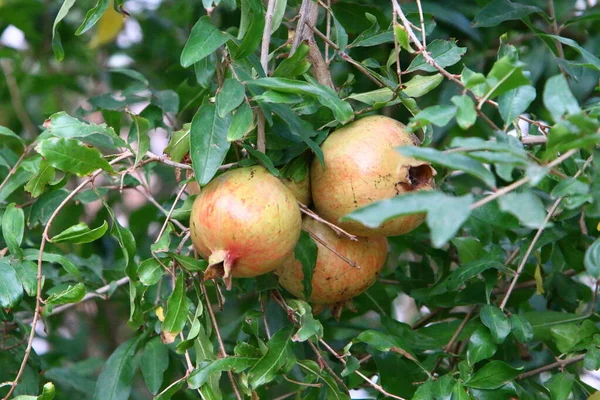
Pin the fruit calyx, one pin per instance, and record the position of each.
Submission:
(220, 265)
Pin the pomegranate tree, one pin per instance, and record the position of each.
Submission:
(363, 166)
(334, 280)
(245, 222)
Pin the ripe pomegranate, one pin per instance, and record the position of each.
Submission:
(362, 166)
(334, 280)
(245, 222)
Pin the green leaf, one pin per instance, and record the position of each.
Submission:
(492, 375)
(420, 85)
(465, 111)
(230, 97)
(306, 252)
(264, 160)
(72, 294)
(496, 321)
(498, 11)
(515, 102)
(205, 70)
(179, 144)
(295, 65)
(68, 266)
(93, 16)
(333, 391)
(506, 74)
(558, 98)
(140, 128)
(27, 272)
(590, 60)
(521, 328)
(560, 385)
(459, 276)
(592, 259)
(454, 161)
(116, 379)
(437, 115)
(203, 41)
(37, 184)
(445, 214)
(342, 111)
(444, 52)
(189, 263)
(278, 13)
(63, 125)
(155, 362)
(57, 48)
(591, 362)
(565, 336)
(469, 249)
(481, 346)
(150, 271)
(309, 326)
(80, 233)
(13, 227)
(241, 123)
(253, 35)
(208, 143)
(11, 291)
(178, 306)
(7, 134)
(72, 156)
(265, 370)
(526, 206)
(206, 369)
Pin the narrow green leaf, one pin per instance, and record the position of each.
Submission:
(63, 125)
(116, 379)
(80, 233)
(206, 369)
(333, 390)
(11, 291)
(506, 74)
(498, 11)
(592, 259)
(444, 52)
(309, 326)
(481, 346)
(591, 61)
(57, 48)
(13, 228)
(208, 143)
(229, 97)
(203, 41)
(262, 158)
(205, 70)
(295, 65)
(189, 263)
(68, 266)
(150, 271)
(155, 362)
(558, 98)
(93, 16)
(7, 134)
(526, 206)
(140, 128)
(402, 38)
(72, 156)
(278, 13)
(178, 306)
(492, 375)
(496, 321)
(515, 102)
(420, 85)
(465, 111)
(455, 161)
(241, 123)
(265, 370)
(72, 294)
(306, 252)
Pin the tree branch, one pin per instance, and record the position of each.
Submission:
(557, 364)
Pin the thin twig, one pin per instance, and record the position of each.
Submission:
(557, 364)
(219, 339)
(301, 383)
(556, 31)
(421, 20)
(161, 208)
(328, 30)
(170, 213)
(266, 38)
(16, 99)
(16, 166)
(316, 217)
(459, 330)
(261, 141)
(334, 251)
(38, 297)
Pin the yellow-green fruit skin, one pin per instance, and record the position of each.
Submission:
(251, 216)
(362, 166)
(334, 280)
(301, 189)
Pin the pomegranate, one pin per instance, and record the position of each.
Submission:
(300, 189)
(245, 222)
(362, 166)
(334, 280)
(192, 186)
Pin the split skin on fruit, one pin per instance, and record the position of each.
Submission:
(334, 280)
(362, 166)
(245, 222)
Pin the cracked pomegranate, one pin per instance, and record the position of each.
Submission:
(334, 280)
(245, 222)
(362, 166)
